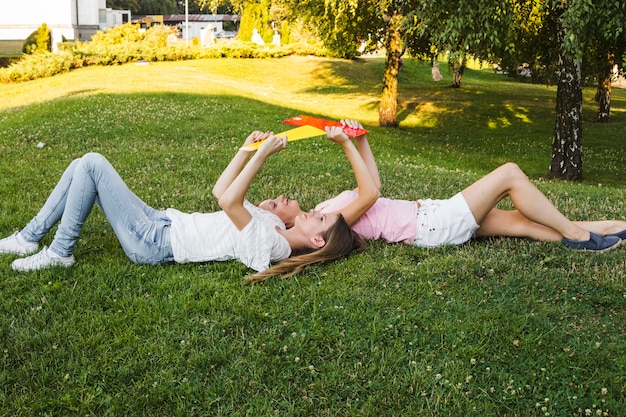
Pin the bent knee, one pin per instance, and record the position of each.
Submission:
(92, 157)
(92, 160)
(513, 171)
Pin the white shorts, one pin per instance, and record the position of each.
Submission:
(444, 222)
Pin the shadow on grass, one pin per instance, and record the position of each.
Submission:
(490, 120)
(489, 328)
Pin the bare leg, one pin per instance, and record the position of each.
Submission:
(513, 224)
(603, 227)
(509, 181)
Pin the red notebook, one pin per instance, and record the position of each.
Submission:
(322, 123)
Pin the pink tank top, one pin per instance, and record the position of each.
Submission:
(392, 220)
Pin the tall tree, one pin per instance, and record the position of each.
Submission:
(567, 157)
(602, 61)
(582, 25)
(459, 29)
(607, 46)
(190, 6)
(144, 7)
(255, 15)
(340, 24)
(343, 25)
(588, 34)
(157, 7)
(387, 113)
(211, 6)
(530, 42)
(132, 5)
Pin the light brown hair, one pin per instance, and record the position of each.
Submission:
(340, 240)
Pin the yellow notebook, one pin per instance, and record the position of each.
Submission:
(302, 132)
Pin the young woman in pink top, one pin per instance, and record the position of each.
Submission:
(469, 213)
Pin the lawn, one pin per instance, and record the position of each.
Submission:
(496, 327)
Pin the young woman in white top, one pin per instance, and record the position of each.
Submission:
(471, 212)
(242, 231)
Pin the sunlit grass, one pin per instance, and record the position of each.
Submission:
(496, 327)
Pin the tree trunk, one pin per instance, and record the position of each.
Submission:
(459, 69)
(567, 156)
(603, 92)
(387, 114)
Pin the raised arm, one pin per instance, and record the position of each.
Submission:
(236, 164)
(367, 189)
(365, 151)
(231, 199)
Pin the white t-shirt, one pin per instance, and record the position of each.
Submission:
(203, 237)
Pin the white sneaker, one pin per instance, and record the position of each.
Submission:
(41, 260)
(12, 245)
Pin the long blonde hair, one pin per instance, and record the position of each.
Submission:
(340, 239)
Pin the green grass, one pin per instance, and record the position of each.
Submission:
(497, 327)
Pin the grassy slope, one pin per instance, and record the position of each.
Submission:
(496, 327)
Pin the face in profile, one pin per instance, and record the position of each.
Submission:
(313, 226)
(286, 210)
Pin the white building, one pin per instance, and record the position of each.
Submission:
(221, 25)
(69, 19)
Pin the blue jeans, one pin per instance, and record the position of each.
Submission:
(142, 230)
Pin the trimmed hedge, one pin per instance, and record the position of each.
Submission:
(39, 65)
(127, 43)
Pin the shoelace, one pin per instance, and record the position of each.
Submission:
(38, 259)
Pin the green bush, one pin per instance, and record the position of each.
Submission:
(303, 49)
(127, 33)
(156, 36)
(39, 65)
(126, 43)
(38, 41)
